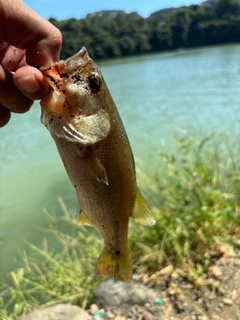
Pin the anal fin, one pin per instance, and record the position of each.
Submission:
(141, 211)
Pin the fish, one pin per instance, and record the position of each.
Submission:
(90, 137)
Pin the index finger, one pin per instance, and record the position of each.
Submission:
(38, 36)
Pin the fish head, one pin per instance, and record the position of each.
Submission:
(75, 108)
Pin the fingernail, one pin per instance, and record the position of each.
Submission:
(29, 84)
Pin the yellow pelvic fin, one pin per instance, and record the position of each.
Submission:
(96, 166)
(141, 211)
(118, 266)
(83, 221)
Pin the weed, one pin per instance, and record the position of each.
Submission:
(195, 197)
(47, 277)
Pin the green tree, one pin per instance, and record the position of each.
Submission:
(228, 7)
(199, 15)
(160, 36)
(113, 33)
(72, 37)
(179, 24)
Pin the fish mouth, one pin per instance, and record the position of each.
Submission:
(80, 58)
(72, 63)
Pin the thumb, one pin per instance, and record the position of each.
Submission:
(31, 83)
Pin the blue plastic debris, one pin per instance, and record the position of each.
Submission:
(159, 301)
(98, 313)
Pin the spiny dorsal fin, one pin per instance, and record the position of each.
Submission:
(141, 211)
(83, 221)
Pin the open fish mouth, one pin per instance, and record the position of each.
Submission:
(79, 58)
(72, 63)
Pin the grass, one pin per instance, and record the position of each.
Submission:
(46, 277)
(195, 197)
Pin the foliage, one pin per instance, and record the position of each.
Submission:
(195, 197)
(196, 200)
(47, 277)
(116, 33)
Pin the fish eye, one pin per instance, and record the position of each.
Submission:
(95, 82)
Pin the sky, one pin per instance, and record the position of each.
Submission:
(65, 9)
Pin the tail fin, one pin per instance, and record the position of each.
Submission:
(118, 265)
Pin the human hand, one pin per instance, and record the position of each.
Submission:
(27, 41)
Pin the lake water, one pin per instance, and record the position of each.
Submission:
(158, 96)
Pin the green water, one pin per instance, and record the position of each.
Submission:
(159, 96)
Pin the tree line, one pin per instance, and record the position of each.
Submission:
(117, 33)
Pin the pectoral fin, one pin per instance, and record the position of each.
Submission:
(141, 212)
(95, 165)
(83, 221)
(97, 168)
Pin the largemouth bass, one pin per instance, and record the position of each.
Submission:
(83, 120)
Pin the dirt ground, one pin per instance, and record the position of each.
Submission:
(185, 296)
(169, 294)
(215, 297)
